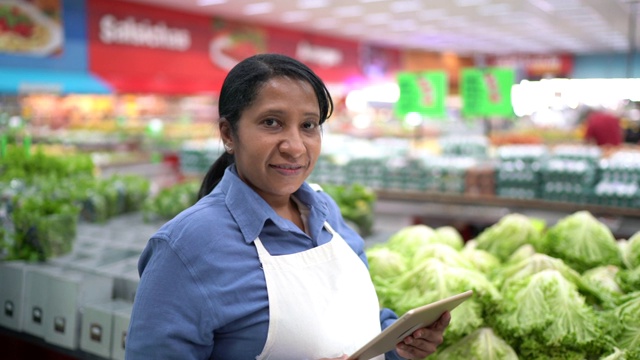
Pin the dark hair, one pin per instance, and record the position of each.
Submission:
(240, 89)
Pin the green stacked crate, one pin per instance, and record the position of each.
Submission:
(619, 181)
(518, 171)
(471, 145)
(329, 169)
(445, 173)
(366, 171)
(566, 179)
(404, 173)
(616, 194)
(454, 176)
(589, 153)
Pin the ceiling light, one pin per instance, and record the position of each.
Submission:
(258, 8)
(312, 4)
(404, 6)
(295, 16)
(346, 11)
(404, 25)
(210, 2)
(543, 5)
(434, 14)
(379, 18)
(494, 9)
(471, 2)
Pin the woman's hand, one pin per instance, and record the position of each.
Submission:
(423, 342)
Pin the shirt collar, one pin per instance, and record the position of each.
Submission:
(251, 212)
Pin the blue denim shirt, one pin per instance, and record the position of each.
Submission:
(202, 293)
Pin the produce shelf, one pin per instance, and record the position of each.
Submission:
(487, 209)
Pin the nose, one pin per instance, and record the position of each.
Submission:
(292, 144)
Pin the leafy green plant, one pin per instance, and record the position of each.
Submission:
(356, 203)
(170, 201)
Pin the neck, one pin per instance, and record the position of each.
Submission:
(290, 212)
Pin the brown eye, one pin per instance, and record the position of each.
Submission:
(270, 122)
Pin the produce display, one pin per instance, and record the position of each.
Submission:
(356, 204)
(567, 291)
(43, 197)
(170, 201)
(355, 201)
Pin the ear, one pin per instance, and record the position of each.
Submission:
(225, 131)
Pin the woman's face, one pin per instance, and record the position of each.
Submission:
(278, 138)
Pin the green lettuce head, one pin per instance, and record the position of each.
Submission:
(631, 252)
(583, 242)
(509, 234)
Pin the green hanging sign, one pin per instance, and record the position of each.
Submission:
(422, 93)
(487, 92)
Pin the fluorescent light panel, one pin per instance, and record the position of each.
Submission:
(348, 11)
(210, 2)
(258, 8)
(313, 4)
(404, 6)
(295, 16)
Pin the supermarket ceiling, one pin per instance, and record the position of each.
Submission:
(462, 26)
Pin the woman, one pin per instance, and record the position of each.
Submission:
(262, 266)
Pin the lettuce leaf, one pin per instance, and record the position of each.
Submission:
(481, 344)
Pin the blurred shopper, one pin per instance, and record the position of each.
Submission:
(603, 128)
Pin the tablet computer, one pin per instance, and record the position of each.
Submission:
(411, 321)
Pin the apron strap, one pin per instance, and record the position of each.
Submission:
(262, 251)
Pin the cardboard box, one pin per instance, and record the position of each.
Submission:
(97, 327)
(121, 320)
(68, 292)
(12, 278)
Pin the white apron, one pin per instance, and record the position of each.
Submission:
(322, 303)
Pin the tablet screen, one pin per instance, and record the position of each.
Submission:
(409, 322)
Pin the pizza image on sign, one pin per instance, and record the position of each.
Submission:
(228, 48)
(25, 29)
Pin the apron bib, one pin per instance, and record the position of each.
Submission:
(322, 303)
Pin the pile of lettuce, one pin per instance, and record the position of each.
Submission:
(567, 291)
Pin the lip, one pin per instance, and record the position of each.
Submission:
(288, 169)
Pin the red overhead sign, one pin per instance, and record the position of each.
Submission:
(139, 48)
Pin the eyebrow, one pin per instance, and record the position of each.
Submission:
(281, 112)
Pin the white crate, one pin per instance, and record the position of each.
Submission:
(12, 277)
(121, 320)
(97, 327)
(68, 292)
(36, 295)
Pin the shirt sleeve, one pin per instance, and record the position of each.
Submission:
(167, 320)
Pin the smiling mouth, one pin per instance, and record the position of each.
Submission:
(287, 169)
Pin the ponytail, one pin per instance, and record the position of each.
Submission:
(214, 174)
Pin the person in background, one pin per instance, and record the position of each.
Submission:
(263, 266)
(603, 128)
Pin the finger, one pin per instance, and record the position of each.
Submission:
(442, 322)
(426, 334)
(413, 352)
